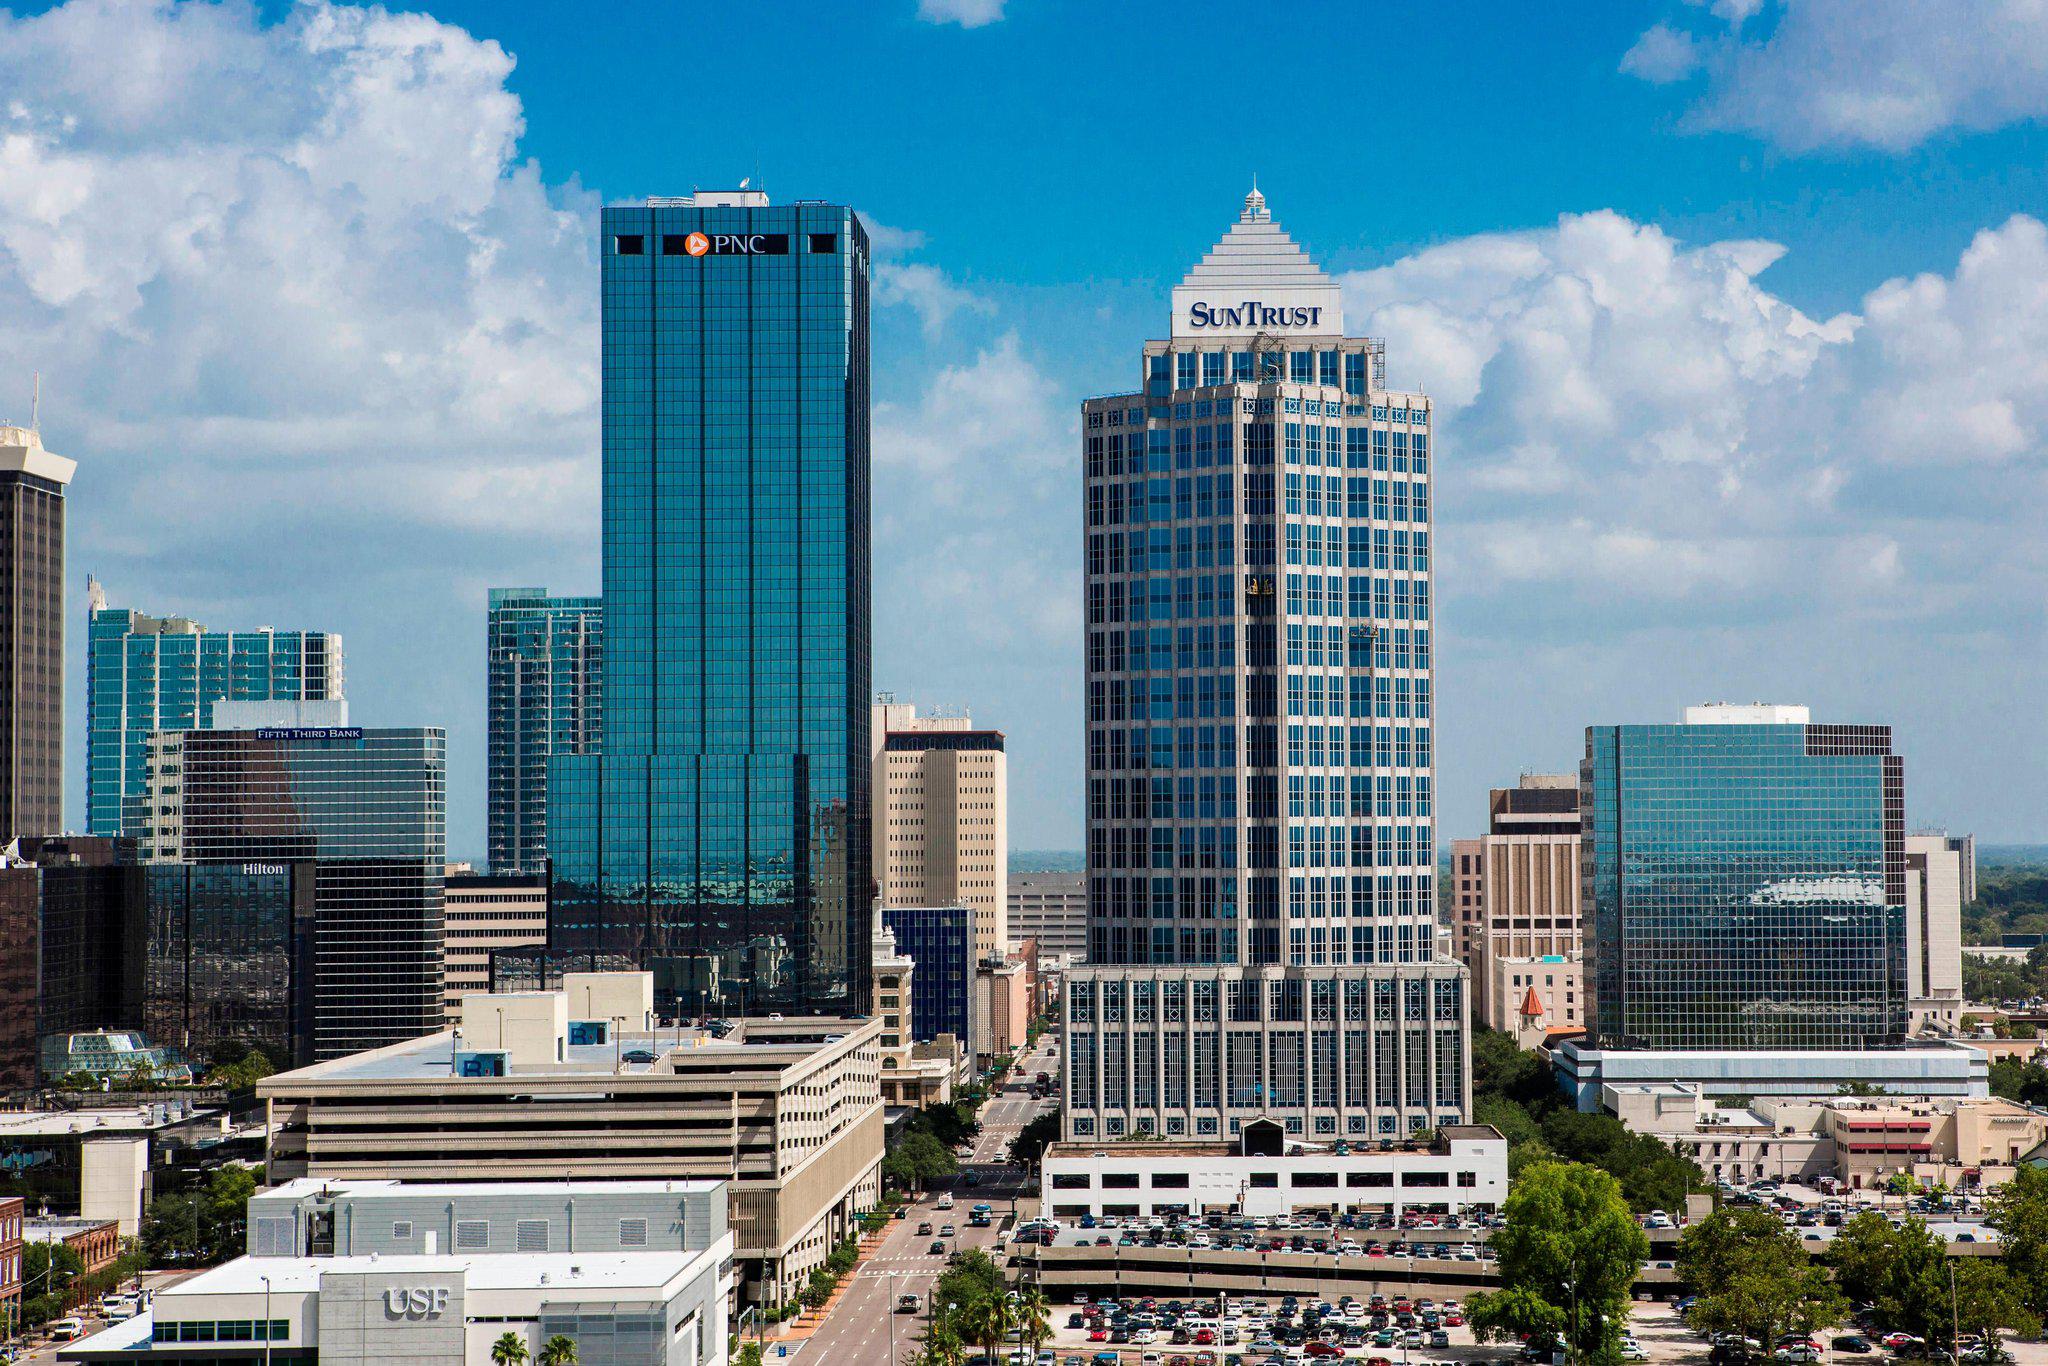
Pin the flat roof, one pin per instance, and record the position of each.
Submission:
(481, 1271)
(470, 1190)
(431, 1056)
(128, 1119)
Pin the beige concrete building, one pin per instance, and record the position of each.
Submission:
(1053, 909)
(941, 818)
(1862, 1143)
(1005, 1007)
(545, 1086)
(1937, 868)
(1515, 896)
(484, 913)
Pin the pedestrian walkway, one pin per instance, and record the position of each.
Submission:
(810, 1320)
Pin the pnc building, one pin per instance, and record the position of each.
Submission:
(720, 839)
(1261, 912)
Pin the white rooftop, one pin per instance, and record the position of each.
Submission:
(344, 1185)
(481, 1271)
(21, 452)
(127, 1119)
(1257, 263)
(1747, 714)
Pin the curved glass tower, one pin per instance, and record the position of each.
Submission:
(721, 837)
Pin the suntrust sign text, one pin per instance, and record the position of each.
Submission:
(1252, 313)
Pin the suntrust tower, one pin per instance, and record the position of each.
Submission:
(1262, 926)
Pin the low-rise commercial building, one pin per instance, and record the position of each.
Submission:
(11, 1220)
(96, 1241)
(1933, 1068)
(572, 1084)
(1463, 1167)
(97, 1163)
(447, 1309)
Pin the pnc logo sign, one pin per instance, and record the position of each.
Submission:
(734, 244)
(416, 1302)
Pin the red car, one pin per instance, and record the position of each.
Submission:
(1204, 1336)
(1098, 1335)
(1319, 1348)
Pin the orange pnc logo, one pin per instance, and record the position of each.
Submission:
(696, 244)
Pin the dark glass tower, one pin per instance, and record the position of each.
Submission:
(721, 838)
(546, 657)
(1745, 875)
(32, 483)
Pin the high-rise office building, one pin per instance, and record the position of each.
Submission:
(1259, 735)
(367, 808)
(546, 661)
(1050, 909)
(1747, 879)
(941, 818)
(1515, 915)
(32, 483)
(485, 913)
(1935, 875)
(721, 837)
(147, 674)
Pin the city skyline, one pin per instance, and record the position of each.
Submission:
(1764, 485)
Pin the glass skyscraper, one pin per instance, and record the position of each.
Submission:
(1259, 727)
(147, 674)
(545, 662)
(367, 807)
(721, 837)
(1745, 873)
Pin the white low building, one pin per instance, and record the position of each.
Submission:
(632, 1309)
(1463, 1167)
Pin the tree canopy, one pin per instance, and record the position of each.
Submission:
(1753, 1278)
(1568, 1256)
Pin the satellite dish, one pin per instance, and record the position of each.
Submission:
(746, 181)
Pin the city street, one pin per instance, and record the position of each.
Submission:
(863, 1328)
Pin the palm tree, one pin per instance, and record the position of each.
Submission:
(508, 1350)
(988, 1322)
(1036, 1316)
(558, 1351)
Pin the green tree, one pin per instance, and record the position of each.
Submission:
(171, 1231)
(2020, 1214)
(1987, 1298)
(2017, 1079)
(1752, 1277)
(508, 1350)
(1030, 1143)
(224, 1211)
(988, 1322)
(558, 1350)
(1034, 1314)
(1568, 1258)
(49, 1268)
(1901, 1271)
(242, 1074)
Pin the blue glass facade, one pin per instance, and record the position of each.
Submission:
(721, 838)
(148, 673)
(546, 697)
(940, 940)
(1746, 885)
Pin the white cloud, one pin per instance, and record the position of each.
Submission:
(1662, 55)
(966, 13)
(1638, 429)
(1888, 74)
(927, 290)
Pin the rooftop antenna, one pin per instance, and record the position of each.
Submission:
(35, 405)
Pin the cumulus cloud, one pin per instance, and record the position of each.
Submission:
(965, 13)
(229, 245)
(928, 291)
(1853, 73)
(1636, 426)
(1662, 55)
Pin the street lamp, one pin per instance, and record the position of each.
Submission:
(266, 1319)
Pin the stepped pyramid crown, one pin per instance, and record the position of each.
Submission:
(1256, 279)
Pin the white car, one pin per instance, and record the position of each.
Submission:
(67, 1330)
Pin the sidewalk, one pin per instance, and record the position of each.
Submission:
(810, 1320)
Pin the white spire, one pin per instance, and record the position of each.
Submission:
(1257, 264)
(1254, 206)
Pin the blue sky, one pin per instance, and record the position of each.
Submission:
(1733, 313)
